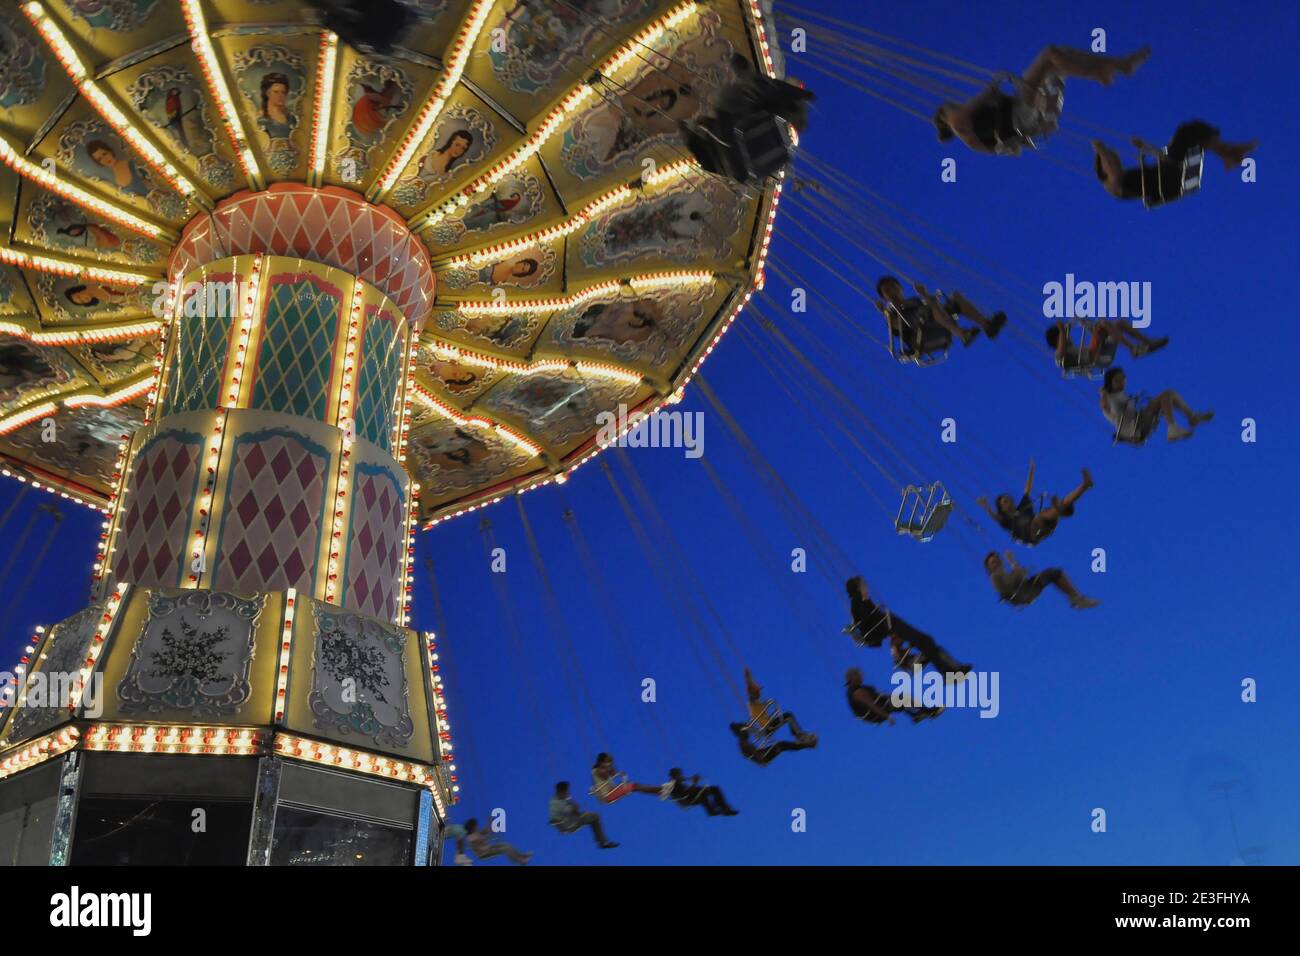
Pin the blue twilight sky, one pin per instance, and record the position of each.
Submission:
(1133, 707)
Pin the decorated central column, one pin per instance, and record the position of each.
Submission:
(274, 460)
(255, 569)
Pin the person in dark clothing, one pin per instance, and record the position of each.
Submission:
(689, 793)
(764, 755)
(766, 718)
(871, 705)
(917, 318)
(1162, 180)
(1022, 522)
(873, 623)
(744, 114)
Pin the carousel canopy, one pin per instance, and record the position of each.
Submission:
(573, 260)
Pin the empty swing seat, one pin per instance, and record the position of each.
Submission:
(923, 511)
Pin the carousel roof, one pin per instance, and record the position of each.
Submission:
(581, 261)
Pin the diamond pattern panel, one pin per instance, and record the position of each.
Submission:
(333, 227)
(151, 543)
(274, 513)
(200, 353)
(375, 550)
(294, 359)
(377, 381)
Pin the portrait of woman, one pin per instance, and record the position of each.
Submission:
(117, 169)
(93, 294)
(441, 161)
(275, 118)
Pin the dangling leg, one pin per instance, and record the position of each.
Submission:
(1109, 167)
(940, 315)
(787, 718)
(1172, 400)
(928, 647)
(1066, 61)
(715, 803)
(964, 306)
(1133, 340)
(1200, 133)
(592, 819)
(1057, 577)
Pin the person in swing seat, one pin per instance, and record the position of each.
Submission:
(875, 707)
(606, 786)
(908, 645)
(765, 719)
(910, 317)
(690, 793)
(1135, 419)
(1022, 522)
(1019, 588)
(1104, 341)
(485, 848)
(1162, 181)
(566, 816)
(1001, 124)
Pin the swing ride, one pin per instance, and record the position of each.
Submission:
(283, 301)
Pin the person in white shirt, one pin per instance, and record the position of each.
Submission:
(1135, 420)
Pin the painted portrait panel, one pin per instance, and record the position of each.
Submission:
(631, 118)
(378, 94)
(172, 101)
(92, 150)
(515, 200)
(272, 79)
(462, 137)
(527, 269)
(501, 331)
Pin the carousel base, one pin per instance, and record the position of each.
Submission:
(160, 809)
(184, 726)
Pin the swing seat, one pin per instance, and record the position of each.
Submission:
(757, 146)
(1038, 117)
(1080, 333)
(764, 143)
(924, 346)
(1188, 176)
(601, 788)
(923, 511)
(910, 657)
(1135, 439)
(760, 728)
(869, 717)
(873, 636)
